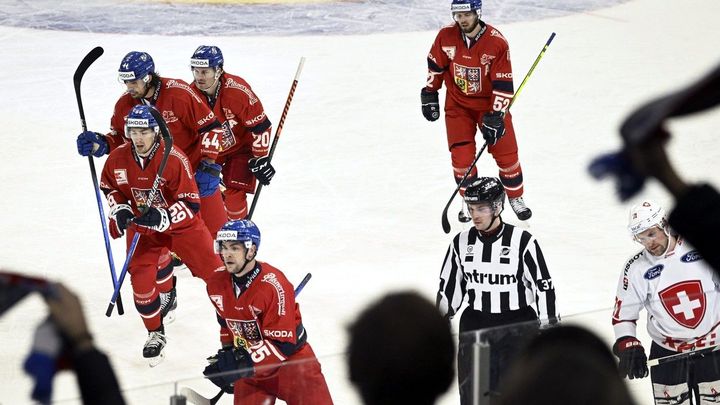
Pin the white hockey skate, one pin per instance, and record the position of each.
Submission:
(168, 304)
(154, 345)
(521, 210)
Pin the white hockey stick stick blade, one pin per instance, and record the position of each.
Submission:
(194, 397)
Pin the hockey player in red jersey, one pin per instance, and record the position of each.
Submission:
(247, 127)
(194, 128)
(172, 221)
(261, 329)
(679, 291)
(473, 60)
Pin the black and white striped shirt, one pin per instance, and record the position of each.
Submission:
(498, 274)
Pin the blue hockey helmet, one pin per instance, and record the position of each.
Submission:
(243, 230)
(466, 5)
(140, 117)
(207, 57)
(136, 65)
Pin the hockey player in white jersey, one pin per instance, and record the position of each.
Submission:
(501, 272)
(679, 291)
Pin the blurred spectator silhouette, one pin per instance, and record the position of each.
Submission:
(564, 365)
(61, 341)
(696, 215)
(401, 351)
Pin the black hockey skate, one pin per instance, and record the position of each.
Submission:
(168, 304)
(521, 210)
(463, 217)
(154, 345)
(176, 261)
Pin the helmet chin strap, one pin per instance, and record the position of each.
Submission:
(247, 260)
(495, 217)
(218, 73)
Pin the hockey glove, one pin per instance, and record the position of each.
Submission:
(226, 360)
(493, 127)
(207, 178)
(120, 216)
(155, 218)
(430, 104)
(262, 169)
(633, 362)
(628, 181)
(91, 143)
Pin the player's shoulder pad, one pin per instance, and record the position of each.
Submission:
(449, 31)
(121, 151)
(179, 86)
(216, 282)
(637, 257)
(124, 104)
(182, 159)
(238, 85)
(495, 34)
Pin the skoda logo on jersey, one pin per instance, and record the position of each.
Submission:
(691, 256)
(653, 272)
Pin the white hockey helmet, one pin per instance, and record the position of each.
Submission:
(644, 216)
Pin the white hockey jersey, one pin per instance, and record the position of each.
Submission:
(680, 293)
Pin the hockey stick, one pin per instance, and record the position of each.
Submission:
(88, 60)
(151, 197)
(680, 356)
(195, 398)
(277, 132)
(445, 222)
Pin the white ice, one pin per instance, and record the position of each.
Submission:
(362, 177)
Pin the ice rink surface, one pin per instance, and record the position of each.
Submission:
(362, 177)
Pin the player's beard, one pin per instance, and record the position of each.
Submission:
(140, 95)
(471, 26)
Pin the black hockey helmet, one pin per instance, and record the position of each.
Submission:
(486, 189)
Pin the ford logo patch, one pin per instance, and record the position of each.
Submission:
(690, 257)
(653, 272)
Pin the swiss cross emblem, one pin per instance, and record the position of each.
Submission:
(685, 302)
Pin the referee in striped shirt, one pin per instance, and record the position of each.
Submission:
(501, 271)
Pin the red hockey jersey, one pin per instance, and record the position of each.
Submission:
(246, 125)
(187, 118)
(477, 77)
(258, 312)
(125, 180)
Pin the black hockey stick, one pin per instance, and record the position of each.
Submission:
(683, 355)
(88, 60)
(277, 132)
(445, 222)
(195, 398)
(165, 132)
